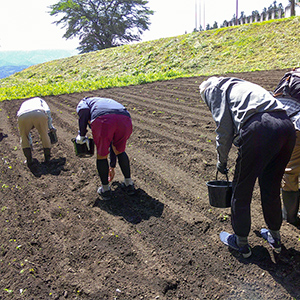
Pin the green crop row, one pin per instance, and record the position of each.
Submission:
(30, 89)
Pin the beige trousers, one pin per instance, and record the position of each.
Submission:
(35, 119)
(290, 180)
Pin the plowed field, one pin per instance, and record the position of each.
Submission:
(59, 241)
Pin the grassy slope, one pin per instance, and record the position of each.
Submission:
(259, 46)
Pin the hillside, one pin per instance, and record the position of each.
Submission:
(258, 46)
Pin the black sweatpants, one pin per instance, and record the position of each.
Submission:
(265, 147)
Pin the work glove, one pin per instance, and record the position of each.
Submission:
(222, 167)
(111, 174)
(83, 140)
(80, 139)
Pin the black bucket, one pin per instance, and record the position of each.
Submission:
(82, 150)
(220, 192)
(53, 136)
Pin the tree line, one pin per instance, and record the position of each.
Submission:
(264, 15)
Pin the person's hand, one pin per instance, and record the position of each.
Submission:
(222, 167)
(81, 139)
(111, 174)
(52, 129)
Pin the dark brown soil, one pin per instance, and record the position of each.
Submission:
(59, 241)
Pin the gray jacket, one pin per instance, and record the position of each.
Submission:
(232, 102)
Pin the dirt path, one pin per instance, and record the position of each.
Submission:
(59, 241)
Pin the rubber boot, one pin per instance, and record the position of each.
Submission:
(290, 206)
(47, 154)
(28, 155)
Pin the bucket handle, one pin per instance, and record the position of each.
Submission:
(226, 177)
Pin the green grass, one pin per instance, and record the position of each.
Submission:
(260, 46)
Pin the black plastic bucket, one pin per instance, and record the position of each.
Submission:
(82, 150)
(220, 192)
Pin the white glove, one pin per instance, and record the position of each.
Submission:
(83, 140)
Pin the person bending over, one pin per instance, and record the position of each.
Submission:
(35, 113)
(111, 127)
(249, 117)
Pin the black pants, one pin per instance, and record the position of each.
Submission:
(265, 146)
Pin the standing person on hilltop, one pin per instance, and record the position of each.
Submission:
(35, 113)
(249, 117)
(111, 128)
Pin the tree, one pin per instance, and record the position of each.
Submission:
(255, 15)
(280, 10)
(208, 27)
(224, 24)
(101, 24)
(215, 26)
(292, 7)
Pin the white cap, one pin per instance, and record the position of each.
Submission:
(205, 84)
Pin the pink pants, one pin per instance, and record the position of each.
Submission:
(111, 128)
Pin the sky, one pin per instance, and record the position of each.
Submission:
(27, 25)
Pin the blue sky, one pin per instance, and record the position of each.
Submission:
(27, 25)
